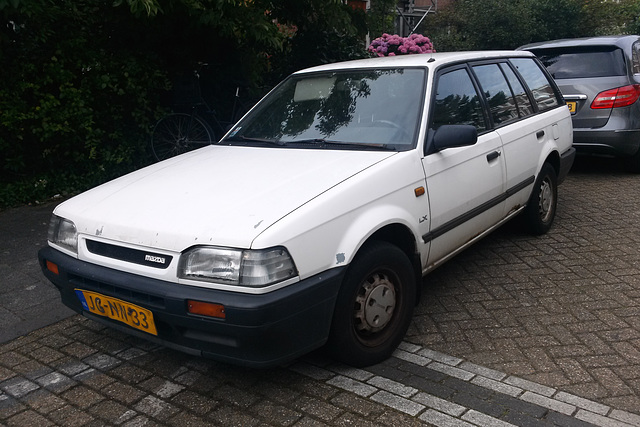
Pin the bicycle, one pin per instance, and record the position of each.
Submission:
(177, 133)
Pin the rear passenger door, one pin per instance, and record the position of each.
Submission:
(465, 184)
(520, 99)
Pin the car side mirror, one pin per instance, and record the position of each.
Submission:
(449, 136)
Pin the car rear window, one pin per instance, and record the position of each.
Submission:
(584, 62)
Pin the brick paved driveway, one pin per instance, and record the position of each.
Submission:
(514, 331)
(562, 309)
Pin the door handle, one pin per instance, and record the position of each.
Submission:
(539, 134)
(493, 155)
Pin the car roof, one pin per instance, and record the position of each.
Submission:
(421, 60)
(619, 40)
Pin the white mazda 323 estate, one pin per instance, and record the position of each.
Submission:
(316, 216)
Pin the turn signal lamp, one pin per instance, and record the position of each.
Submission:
(206, 309)
(52, 268)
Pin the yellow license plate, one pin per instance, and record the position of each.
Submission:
(116, 309)
(572, 106)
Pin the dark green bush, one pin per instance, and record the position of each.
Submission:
(78, 96)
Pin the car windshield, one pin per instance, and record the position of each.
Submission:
(354, 109)
(584, 62)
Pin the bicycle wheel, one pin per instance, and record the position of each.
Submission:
(178, 133)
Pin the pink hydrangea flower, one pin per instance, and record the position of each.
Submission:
(393, 44)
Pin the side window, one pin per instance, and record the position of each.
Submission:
(457, 101)
(635, 57)
(525, 107)
(542, 90)
(496, 89)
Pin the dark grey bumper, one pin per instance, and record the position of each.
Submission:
(258, 331)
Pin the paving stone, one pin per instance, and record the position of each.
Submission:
(480, 419)
(579, 402)
(276, 414)
(400, 403)
(348, 371)
(356, 404)
(599, 420)
(317, 408)
(530, 386)
(498, 386)
(626, 417)
(413, 358)
(439, 404)
(155, 408)
(552, 404)
(451, 370)
(439, 419)
(69, 416)
(18, 387)
(28, 418)
(348, 384)
(483, 371)
(392, 386)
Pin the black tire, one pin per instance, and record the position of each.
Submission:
(541, 208)
(178, 133)
(374, 306)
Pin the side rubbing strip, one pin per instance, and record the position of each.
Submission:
(444, 228)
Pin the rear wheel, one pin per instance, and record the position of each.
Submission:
(541, 208)
(374, 306)
(178, 133)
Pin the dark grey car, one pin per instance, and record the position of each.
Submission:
(600, 80)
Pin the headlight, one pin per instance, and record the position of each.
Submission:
(253, 268)
(63, 233)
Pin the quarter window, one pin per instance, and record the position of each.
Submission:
(543, 92)
(457, 101)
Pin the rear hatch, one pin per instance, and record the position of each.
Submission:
(582, 73)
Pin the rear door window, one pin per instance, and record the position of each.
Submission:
(543, 93)
(525, 108)
(580, 63)
(498, 93)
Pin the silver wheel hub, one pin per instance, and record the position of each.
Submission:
(375, 303)
(546, 199)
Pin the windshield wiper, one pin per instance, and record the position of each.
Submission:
(242, 138)
(322, 142)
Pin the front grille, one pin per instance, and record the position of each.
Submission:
(136, 256)
(128, 295)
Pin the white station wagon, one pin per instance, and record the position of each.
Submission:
(314, 219)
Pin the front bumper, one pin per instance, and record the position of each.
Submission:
(258, 330)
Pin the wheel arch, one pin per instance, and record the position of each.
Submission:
(553, 158)
(402, 237)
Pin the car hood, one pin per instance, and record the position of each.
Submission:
(218, 195)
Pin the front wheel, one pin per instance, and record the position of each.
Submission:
(541, 208)
(374, 306)
(178, 133)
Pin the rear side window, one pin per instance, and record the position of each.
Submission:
(580, 63)
(525, 108)
(635, 56)
(457, 101)
(541, 88)
(498, 93)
